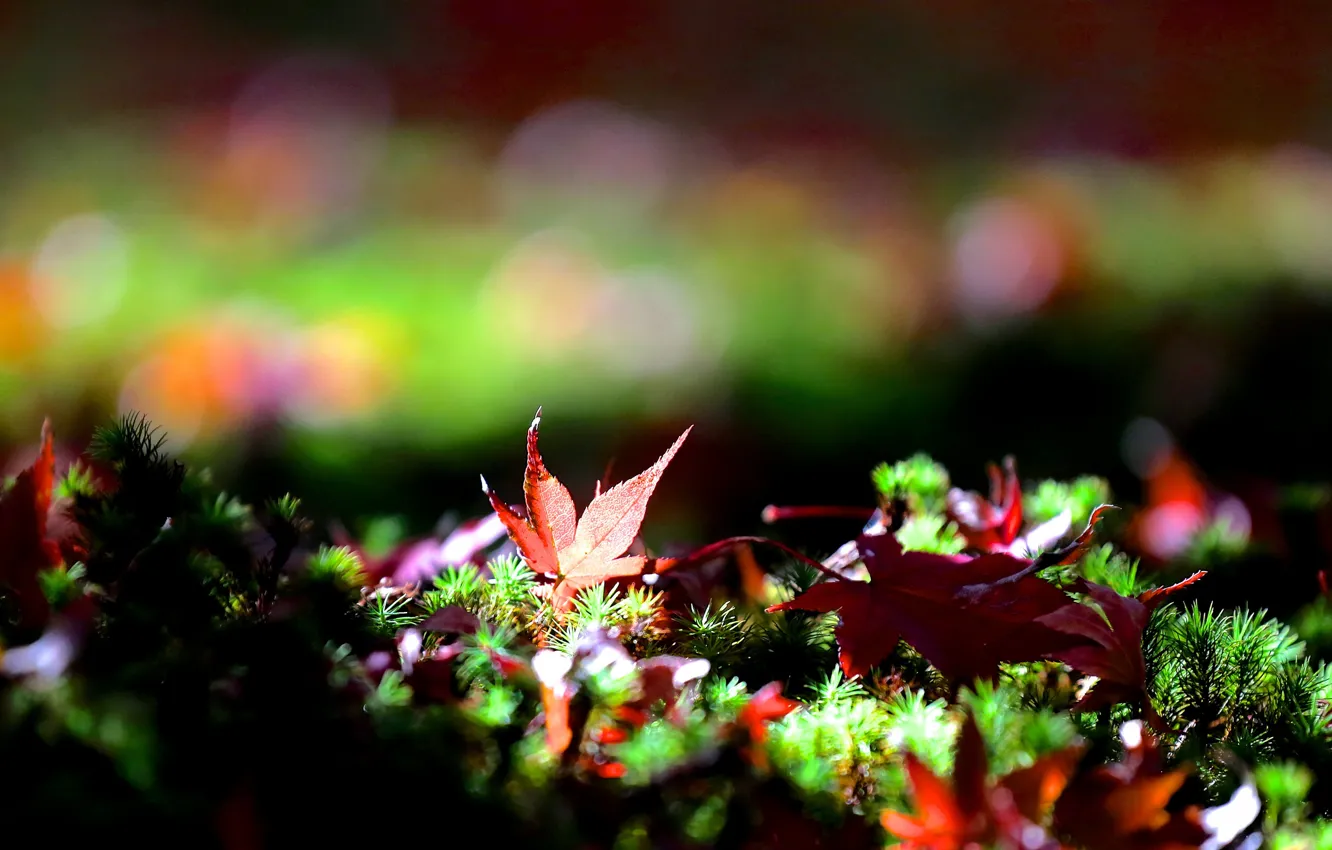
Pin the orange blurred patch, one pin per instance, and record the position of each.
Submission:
(22, 328)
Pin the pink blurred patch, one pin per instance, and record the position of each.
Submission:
(1168, 529)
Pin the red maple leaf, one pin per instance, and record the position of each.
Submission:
(661, 679)
(965, 615)
(923, 598)
(973, 811)
(578, 552)
(565, 709)
(990, 525)
(995, 524)
(1113, 648)
(24, 511)
(1123, 805)
(766, 704)
(451, 619)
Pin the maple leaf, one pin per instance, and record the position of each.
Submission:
(451, 619)
(1125, 805)
(578, 552)
(1113, 648)
(992, 524)
(566, 709)
(24, 512)
(663, 678)
(923, 597)
(766, 704)
(430, 675)
(423, 558)
(995, 524)
(1154, 597)
(972, 810)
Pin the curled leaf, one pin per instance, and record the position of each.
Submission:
(993, 524)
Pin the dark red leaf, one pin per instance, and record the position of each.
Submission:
(765, 705)
(922, 597)
(662, 678)
(423, 558)
(1112, 650)
(990, 525)
(1035, 789)
(50, 655)
(784, 825)
(972, 811)
(722, 547)
(1124, 805)
(431, 678)
(1074, 551)
(776, 513)
(451, 619)
(24, 510)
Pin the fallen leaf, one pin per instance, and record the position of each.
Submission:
(971, 810)
(422, 559)
(1112, 650)
(1124, 805)
(784, 824)
(451, 619)
(44, 661)
(590, 550)
(1035, 789)
(663, 678)
(1075, 550)
(993, 524)
(765, 705)
(922, 597)
(24, 512)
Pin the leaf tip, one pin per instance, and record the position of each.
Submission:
(679, 441)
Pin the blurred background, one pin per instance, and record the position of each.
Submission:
(347, 247)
